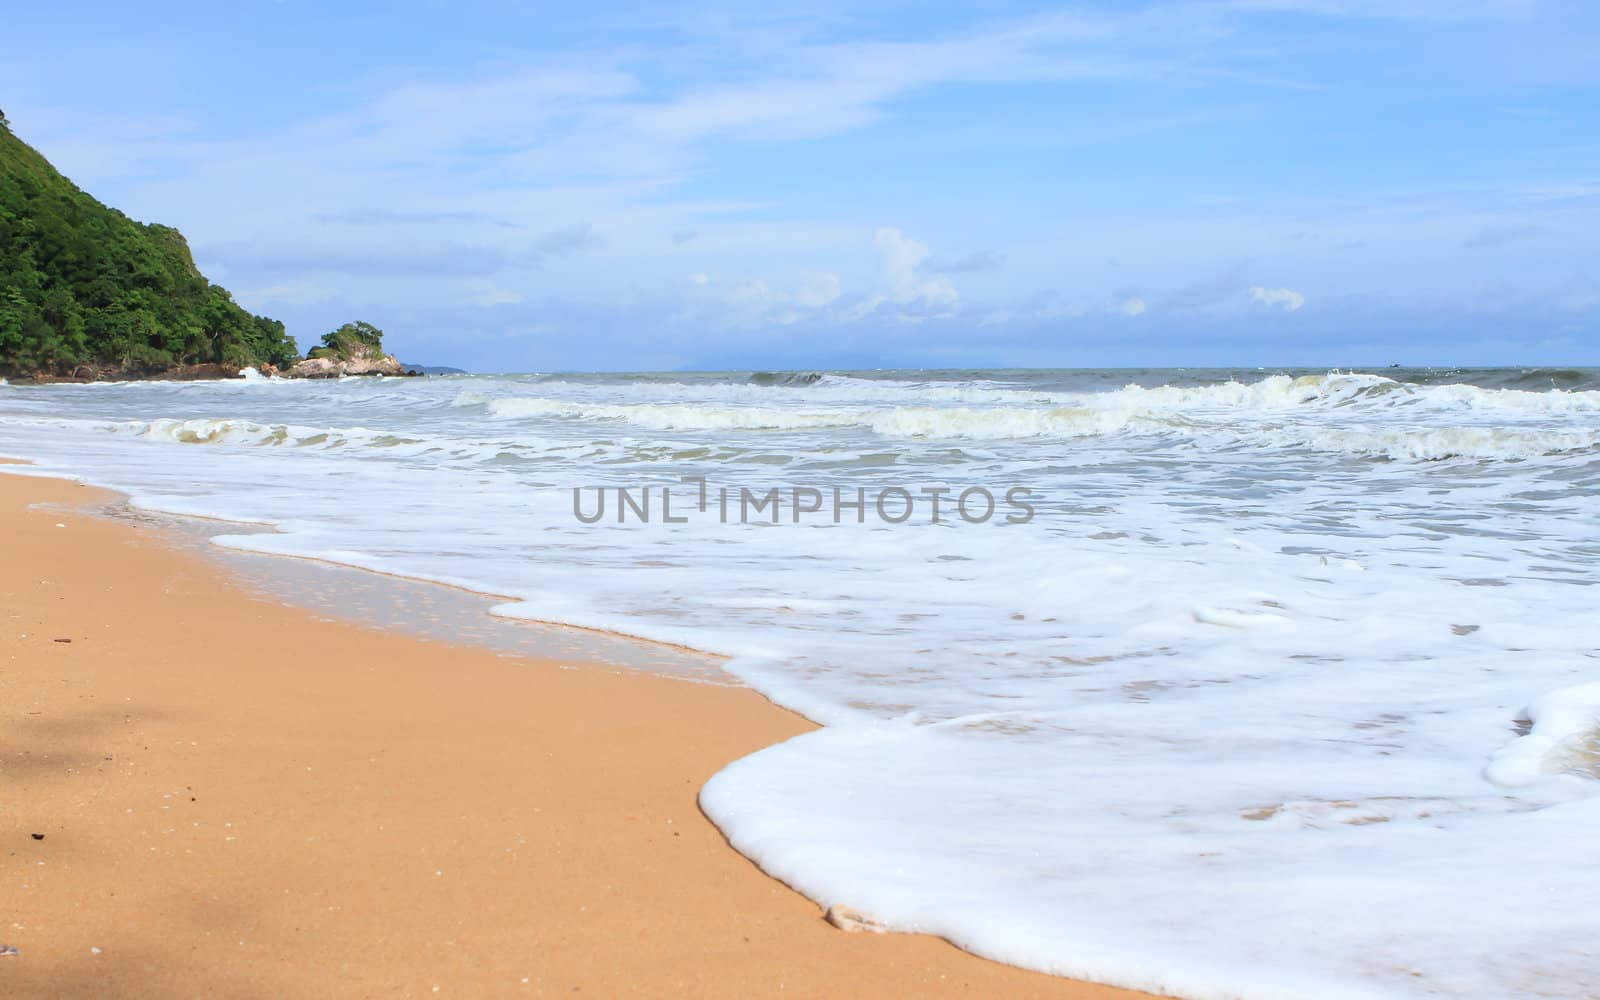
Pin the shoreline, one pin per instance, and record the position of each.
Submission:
(117, 507)
(240, 798)
(305, 582)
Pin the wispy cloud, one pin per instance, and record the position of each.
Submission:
(1205, 293)
(972, 263)
(1496, 236)
(385, 217)
(1288, 298)
(1423, 10)
(567, 240)
(485, 294)
(1568, 191)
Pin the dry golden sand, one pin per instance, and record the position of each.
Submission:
(240, 800)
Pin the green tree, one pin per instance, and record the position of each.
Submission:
(349, 341)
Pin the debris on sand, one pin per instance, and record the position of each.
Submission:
(853, 921)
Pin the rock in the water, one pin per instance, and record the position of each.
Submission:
(331, 368)
(313, 368)
(853, 921)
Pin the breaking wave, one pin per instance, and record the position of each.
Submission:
(785, 378)
(1352, 414)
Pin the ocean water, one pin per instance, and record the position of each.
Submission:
(1253, 683)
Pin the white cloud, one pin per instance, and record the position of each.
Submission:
(817, 289)
(903, 283)
(1288, 298)
(1131, 306)
(756, 302)
(903, 291)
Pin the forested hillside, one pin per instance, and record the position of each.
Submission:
(83, 286)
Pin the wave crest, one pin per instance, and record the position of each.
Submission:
(1366, 415)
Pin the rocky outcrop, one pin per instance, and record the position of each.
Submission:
(385, 364)
(353, 349)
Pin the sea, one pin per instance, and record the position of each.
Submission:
(1256, 683)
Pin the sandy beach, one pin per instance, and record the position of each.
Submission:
(205, 792)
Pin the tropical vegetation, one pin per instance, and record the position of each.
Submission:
(82, 286)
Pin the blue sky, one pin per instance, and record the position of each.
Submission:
(590, 186)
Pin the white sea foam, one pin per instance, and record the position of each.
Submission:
(1288, 690)
(916, 421)
(1563, 740)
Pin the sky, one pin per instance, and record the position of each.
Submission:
(591, 186)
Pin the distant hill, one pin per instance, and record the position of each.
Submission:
(85, 289)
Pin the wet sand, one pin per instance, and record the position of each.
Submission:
(204, 791)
